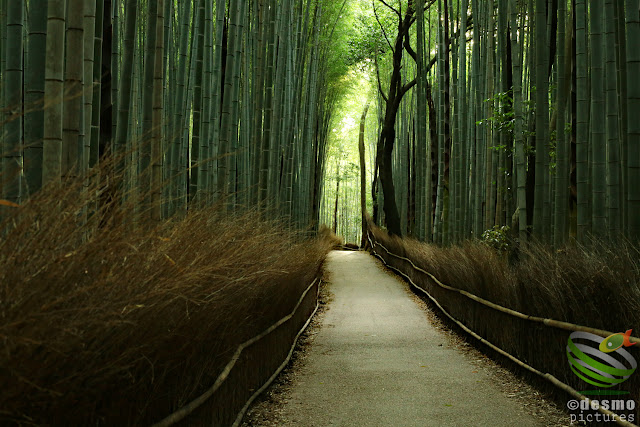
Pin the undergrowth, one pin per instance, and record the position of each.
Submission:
(107, 318)
(598, 286)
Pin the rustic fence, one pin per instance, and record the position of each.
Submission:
(250, 370)
(536, 344)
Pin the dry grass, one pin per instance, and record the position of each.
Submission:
(325, 233)
(103, 321)
(597, 287)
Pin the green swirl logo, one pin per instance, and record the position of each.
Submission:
(604, 364)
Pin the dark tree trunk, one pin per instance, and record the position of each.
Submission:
(374, 195)
(385, 166)
(433, 153)
(553, 34)
(412, 179)
(530, 189)
(363, 177)
(335, 208)
(388, 134)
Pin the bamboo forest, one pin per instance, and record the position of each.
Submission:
(184, 184)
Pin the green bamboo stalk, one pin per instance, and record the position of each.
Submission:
(53, 92)
(234, 159)
(3, 66)
(612, 122)
(582, 124)
(542, 119)
(518, 122)
(94, 153)
(422, 208)
(633, 109)
(194, 184)
(463, 118)
(228, 114)
(178, 175)
(205, 128)
(13, 100)
(621, 59)
(597, 118)
(259, 49)
(124, 106)
(491, 161)
(505, 207)
(270, 58)
(148, 83)
(72, 149)
(89, 22)
(34, 82)
(562, 148)
(115, 65)
(217, 92)
(157, 137)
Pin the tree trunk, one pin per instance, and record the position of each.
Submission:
(12, 82)
(72, 149)
(363, 176)
(582, 124)
(598, 117)
(34, 96)
(388, 134)
(53, 92)
(633, 109)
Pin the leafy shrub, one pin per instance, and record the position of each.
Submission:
(497, 238)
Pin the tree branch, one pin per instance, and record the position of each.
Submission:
(431, 63)
(380, 81)
(384, 33)
(392, 8)
(409, 49)
(406, 88)
(427, 6)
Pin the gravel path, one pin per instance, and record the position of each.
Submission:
(376, 360)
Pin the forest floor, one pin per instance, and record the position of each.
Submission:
(378, 356)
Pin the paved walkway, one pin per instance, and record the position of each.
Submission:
(377, 361)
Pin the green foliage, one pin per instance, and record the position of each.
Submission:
(367, 42)
(496, 238)
(368, 31)
(503, 118)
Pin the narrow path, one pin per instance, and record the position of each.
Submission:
(377, 361)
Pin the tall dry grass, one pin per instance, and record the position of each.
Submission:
(598, 286)
(107, 318)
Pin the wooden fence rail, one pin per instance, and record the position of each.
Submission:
(547, 322)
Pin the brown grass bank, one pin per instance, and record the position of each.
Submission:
(103, 322)
(597, 287)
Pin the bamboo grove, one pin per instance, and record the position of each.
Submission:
(199, 102)
(519, 113)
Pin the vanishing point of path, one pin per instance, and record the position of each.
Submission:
(377, 361)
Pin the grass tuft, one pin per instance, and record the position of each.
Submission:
(109, 318)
